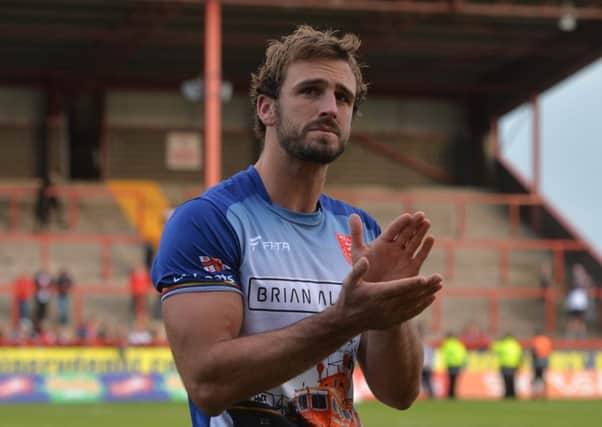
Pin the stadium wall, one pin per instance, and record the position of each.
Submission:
(76, 374)
(138, 123)
(18, 116)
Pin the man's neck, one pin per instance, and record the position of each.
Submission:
(291, 183)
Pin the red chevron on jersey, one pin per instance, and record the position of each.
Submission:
(345, 244)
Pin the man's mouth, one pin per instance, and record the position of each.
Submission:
(325, 129)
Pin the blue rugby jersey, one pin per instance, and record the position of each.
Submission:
(286, 266)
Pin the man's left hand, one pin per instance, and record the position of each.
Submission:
(398, 252)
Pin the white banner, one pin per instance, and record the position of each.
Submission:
(183, 151)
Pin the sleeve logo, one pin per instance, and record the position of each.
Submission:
(345, 244)
(213, 265)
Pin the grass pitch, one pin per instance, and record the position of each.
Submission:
(422, 414)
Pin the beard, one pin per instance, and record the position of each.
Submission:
(297, 143)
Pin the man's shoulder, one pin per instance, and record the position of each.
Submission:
(234, 189)
(220, 197)
(339, 207)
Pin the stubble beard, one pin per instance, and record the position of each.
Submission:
(296, 143)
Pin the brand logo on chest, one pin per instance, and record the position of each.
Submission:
(258, 243)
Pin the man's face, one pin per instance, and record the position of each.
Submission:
(315, 109)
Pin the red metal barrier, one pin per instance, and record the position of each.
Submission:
(105, 241)
(459, 201)
(493, 295)
(557, 246)
(72, 197)
(550, 296)
(408, 200)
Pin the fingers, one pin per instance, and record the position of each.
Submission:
(415, 241)
(424, 296)
(357, 232)
(424, 251)
(358, 271)
(397, 225)
(408, 232)
(412, 296)
(412, 287)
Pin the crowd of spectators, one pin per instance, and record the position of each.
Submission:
(91, 332)
(44, 314)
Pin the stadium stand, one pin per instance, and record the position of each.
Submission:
(419, 143)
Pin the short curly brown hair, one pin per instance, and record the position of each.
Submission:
(302, 44)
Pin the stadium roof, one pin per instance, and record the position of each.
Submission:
(494, 52)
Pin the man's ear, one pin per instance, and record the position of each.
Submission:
(266, 110)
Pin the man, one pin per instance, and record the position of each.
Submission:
(270, 294)
(427, 369)
(509, 354)
(139, 285)
(454, 355)
(23, 291)
(541, 350)
(42, 292)
(64, 287)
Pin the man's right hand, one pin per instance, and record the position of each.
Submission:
(381, 305)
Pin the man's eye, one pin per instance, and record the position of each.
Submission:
(310, 91)
(341, 97)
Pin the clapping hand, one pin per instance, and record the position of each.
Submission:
(398, 252)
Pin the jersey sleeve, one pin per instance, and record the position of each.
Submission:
(199, 252)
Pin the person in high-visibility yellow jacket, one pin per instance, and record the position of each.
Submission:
(454, 356)
(509, 354)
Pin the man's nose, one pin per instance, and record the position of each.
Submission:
(328, 106)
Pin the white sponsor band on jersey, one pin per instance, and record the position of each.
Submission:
(280, 294)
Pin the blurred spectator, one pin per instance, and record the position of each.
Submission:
(428, 363)
(509, 354)
(140, 335)
(43, 335)
(427, 369)
(65, 335)
(149, 256)
(542, 348)
(546, 277)
(474, 337)
(64, 285)
(23, 291)
(22, 334)
(139, 286)
(89, 332)
(47, 203)
(119, 334)
(43, 287)
(577, 302)
(454, 355)
(4, 340)
(159, 336)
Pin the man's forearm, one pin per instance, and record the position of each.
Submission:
(236, 369)
(392, 362)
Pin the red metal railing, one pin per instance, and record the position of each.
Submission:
(72, 197)
(105, 241)
(504, 246)
(551, 298)
(558, 247)
(459, 201)
(494, 296)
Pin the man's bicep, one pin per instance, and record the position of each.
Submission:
(196, 321)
